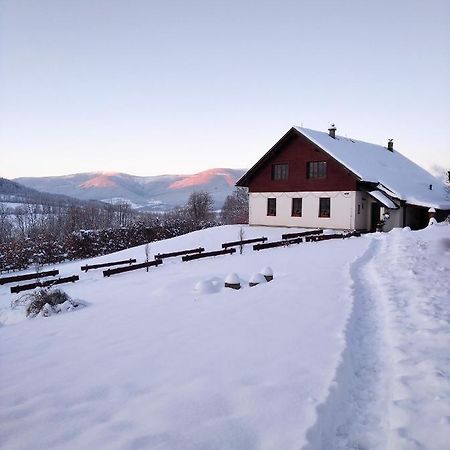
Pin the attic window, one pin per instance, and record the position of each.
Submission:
(280, 171)
(316, 169)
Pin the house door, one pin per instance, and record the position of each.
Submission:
(374, 216)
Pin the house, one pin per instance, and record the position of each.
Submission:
(316, 179)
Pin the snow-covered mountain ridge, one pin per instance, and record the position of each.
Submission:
(150, 193)
(346, 348)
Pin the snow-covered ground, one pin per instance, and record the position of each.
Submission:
(347, 348)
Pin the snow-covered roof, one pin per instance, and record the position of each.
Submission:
(383, 199)
(374, 163)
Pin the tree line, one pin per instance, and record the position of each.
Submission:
(33, 234)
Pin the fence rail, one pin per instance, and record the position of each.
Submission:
(324, 237)
(46, 283)
(180, 253)
(283, 243)
(109, 272)
(327, 237)
(301, 234)
(206, 255)
(99, 266)
(28, 276)
(246, 241)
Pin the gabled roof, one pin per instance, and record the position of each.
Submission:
(394, 174)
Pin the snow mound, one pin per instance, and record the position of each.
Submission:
(258, 278)
(232, 278)
(207, 287)
(267, 271)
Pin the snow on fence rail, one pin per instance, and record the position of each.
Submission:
(109, 272)
(302, 234)
(327, 237)
(28, 276)
(46, 283)
(246, 241)
(308, 238)
(206, 255)
(282, 243)
(99, 266)
(324, 237)
(179, 253)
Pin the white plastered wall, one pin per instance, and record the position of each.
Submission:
(342, 205)
(363, 219)
(362, 210)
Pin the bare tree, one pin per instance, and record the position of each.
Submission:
(200, 207)
(5, 224)
(235, 208)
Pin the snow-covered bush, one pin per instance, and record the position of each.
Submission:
(46, 302)
(55, 244)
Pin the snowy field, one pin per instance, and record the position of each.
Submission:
(347, 348)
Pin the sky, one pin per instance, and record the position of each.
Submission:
(153, 87)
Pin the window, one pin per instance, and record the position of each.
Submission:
(280, 171)
(296, 207)
(271, 206)
(324, 207)
(316, 169)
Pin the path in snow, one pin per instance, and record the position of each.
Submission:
(353, 415)
(392, 388)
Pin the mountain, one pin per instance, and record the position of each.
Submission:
(157, 193)
(13, 193)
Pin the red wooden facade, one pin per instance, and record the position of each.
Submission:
(297, 151)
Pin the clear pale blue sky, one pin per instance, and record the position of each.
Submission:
(151, 87)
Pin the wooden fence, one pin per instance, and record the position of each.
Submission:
(109, 264)
(179, 253)
(327, 237)
(46, 283)
(283, 243)
(28, 276)
(324, 237)
(109, 272)
(206, 255)
(246, 241)
(301, 234)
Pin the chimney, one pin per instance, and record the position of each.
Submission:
(332, 131)
(390, 145)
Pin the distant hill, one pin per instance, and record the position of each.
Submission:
(13, 193)
(161, 192)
